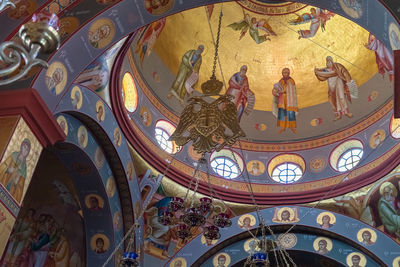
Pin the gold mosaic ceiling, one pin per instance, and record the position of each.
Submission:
(342, 39)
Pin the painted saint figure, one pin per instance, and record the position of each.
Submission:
(366, 238)
(153, 5)
(284, 103)
(100, 33)
(317, 17)
(149, 37)
(389, 208)
(322, 247)
(221, 261)
(55, 79)
(326, 222)
(239, 89)
(188, 74)
(384, 57)
(253, 25)
(95, 77)
(13, 171)
(341, 87)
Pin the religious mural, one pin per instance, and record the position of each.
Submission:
(19, 161)
(49, 230)
(317, 17)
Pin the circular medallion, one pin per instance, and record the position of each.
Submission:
(82, 136)
(56, 77)
(353, 8)
(318, 164)
(101, 33)
(158, 7)
(99, 243)
(287, 241)
(63, 124)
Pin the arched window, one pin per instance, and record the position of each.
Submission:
(287, 173)
(163, 131)
(349, 159)
(346, 155)
(226, 163)
(225, 167)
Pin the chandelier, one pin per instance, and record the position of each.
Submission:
(38, 35)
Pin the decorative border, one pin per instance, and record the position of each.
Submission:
(263, 8)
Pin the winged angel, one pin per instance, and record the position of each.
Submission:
(253, 25)
(317, 17)
(206, 124)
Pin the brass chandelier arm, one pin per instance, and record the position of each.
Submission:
(18, 58)
(5, 4)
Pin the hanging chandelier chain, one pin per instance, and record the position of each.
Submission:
(191, 181)
(217, 44)
(195, 189)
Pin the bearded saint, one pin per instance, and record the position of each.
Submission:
(239, 89)
(285, 102)
(384, 58)
(339, 84)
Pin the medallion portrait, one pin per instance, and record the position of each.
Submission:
(394, 36)
(356, 259)
(366, 236)
(23, 9)
(255, 167)
(99, 157)
(353, 8)
(129, 170)
(326, 219)
(146, 116)
(63, 124)
(68, 25)
(208, 242)
(99, 243)
(247, 221)
(158, 7)
(117, 220)
(76, 97)
(56, 77)
(94, 202)
(178, 262)
(100, 111)
(396, 262)
(251, 245)
(101, 33)
(221, 260)
(82, 136)
(285, 215)
(377, 138)
(117, 137)
(322, 245)
(110, 187)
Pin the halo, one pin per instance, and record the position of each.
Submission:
(99, 157)
(385, 184)
(149, 118)
(118, 143)
(393, 27)
(96, 26)
(240, 64)
(290, 210)
(60, 119)
(227, 262)
(110, 187)
(102, 236)
(49, 73)
(99, 198)
(252, 220)
(396, 262)
(204, 242)
(329, 244)
(98, 105)
(322, 214)
(363, 260)
(117, 220)
(183, 260)
(260, 164)
(246, 244)
(129, 170)
(350, 11)
(73, 91)
(372, 232)
(82, 131)
(206, 46)
(382, 135)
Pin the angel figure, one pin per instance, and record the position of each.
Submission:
(317, 17)
(253, 25)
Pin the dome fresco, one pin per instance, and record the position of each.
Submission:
(302, 47)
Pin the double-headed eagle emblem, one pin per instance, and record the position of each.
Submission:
(211, 126)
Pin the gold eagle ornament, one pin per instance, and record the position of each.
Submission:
(211, 126)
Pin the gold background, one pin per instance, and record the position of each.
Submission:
(186, 30)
